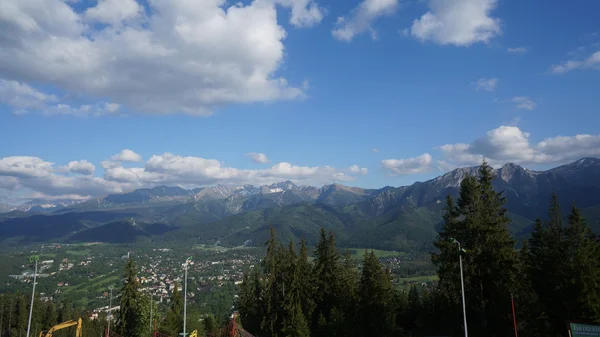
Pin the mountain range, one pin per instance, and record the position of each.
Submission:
(401, 218)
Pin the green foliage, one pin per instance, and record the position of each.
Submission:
(173, 322)
(133, 312)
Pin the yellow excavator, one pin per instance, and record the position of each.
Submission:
(61, 326)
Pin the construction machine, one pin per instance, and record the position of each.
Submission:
(61, 326)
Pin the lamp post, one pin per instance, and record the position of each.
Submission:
(109, 311)
(462, 283)
(32, 259)
(185, 268)
(151, 300)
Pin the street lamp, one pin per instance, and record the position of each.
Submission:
(185, 268)
(109, 311)
(32, 259)
(462, 283)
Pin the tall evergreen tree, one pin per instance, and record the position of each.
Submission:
(307, 287)
(376, 307)
(583, 281)
(480, 224)
(130, 322)
(548, 266)
(327, 283)
(173, 322)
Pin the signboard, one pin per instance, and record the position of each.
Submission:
(584, 330)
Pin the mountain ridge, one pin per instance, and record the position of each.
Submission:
(404, 217)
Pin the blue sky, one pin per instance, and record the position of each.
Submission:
(396, 91)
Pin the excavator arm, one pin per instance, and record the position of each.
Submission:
(61, 326)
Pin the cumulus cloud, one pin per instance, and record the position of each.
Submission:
(517, 50)
(305, 13)
(23, 99)
(113, 12)
(457, 22)
(127, 155)
(511, 144)
(523, 102)
(40, 176)
(80, 166)
(258, 157)
(375, 149)
(362, 17)
(591, 62)
(358, 170)
(174, 57)
(43, 177)
(486, 84)
(418, 164)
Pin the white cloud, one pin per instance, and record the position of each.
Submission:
(358, 170)
(170, 168)
(486, 84)
(127, 155)
(24, 99)
(362, 17)
(523, 102)
(375, 149)
(114, 12)
(305, 13)
(457, 22)
(591, 62)
(511, 144)
(40, 176)
(80, 166)
(258, 157)
(518, 50)
(174, 57)
(415, 165)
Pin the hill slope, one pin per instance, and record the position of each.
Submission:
(404, 217)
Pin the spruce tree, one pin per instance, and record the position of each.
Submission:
(273, 271)
(583, 281)
(327, 283)
(130, 322)
(375, 303)
(173, 322)
(480, 224)
(307, 287)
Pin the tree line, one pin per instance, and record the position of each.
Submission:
(552, 279)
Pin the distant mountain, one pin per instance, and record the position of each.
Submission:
(406, 217)
(46, 206)
(4, 208)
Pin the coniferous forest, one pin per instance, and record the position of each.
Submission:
(549, 279)
(553, 277)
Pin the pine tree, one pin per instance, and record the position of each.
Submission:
(50, 317)
(173, 322)
(210, 324)
(376, 307)
(250, 303)
(130, 322)
(583, 282)
(327, 284)
(530, 313)
(307, 287)
(480, 224)
(21, 316)
(273, 271)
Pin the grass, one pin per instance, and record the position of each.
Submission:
(82, 252)
(98, 283)
(359, 253)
